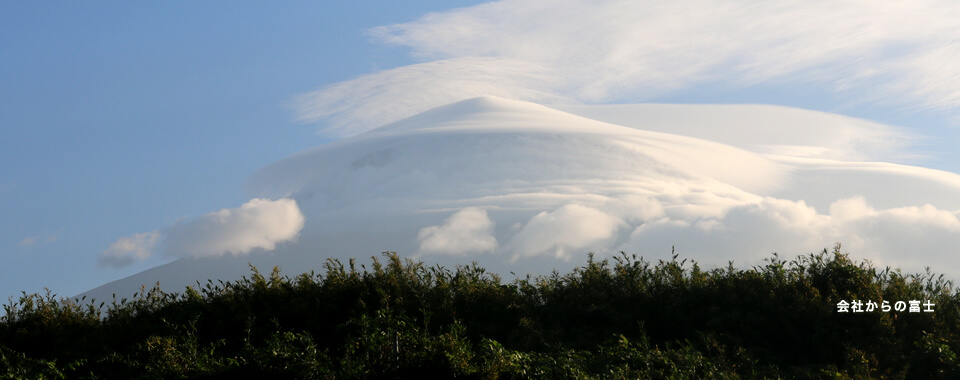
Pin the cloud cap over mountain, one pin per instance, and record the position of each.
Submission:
(518, 185)
(567, 51)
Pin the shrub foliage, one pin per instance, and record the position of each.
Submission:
(623, 317)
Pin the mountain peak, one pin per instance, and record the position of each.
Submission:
(489, 112)
(501, 180)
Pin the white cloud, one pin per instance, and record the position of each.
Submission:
(467, 231)
(902, 53)
(129, 249)
(767, 129)
(257, 224)
(571, 185)
(903, 236)
(369, 101)
(564, 231)
(29, 241)
(851, 208)
(635, 208)
(34, 240)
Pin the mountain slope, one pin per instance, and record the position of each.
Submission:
(526, 188)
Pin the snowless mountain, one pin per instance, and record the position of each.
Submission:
(527, 188)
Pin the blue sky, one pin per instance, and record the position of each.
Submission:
(118, 117)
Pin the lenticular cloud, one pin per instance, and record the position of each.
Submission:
(596, 51)
(556, 185)
(523, 187)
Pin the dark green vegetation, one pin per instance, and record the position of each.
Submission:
(625, 318)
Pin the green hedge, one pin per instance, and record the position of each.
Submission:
(614, 318)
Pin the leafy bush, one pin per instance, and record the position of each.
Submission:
(622, 317)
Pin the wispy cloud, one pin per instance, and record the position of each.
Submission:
(28, 242)
(900, 53)
(130, 249)
(357, 105)
(34, 240)
(259, 224)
